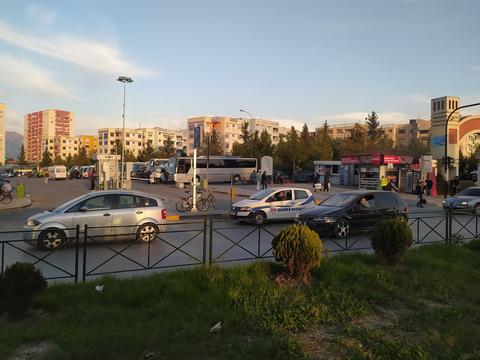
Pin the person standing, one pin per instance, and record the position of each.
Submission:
(264, 179)
(383, 183)
(428, 186)
(419, 191)
(326, 181)
(258, 176)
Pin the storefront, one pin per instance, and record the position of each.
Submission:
(328, 167)
(366, 170)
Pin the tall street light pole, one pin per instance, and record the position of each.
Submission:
(251, 118)
(446, 145)
(124, 80)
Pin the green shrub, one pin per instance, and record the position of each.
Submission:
(474, 245)
(299, 248)
(20, 282)
(391, 238)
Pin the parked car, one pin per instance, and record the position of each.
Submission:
(349, 211)
(303, 176)
(273, 204)
(466, 200)
(108, 214)
(57, 172)
(279, 177)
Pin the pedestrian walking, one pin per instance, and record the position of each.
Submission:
(264, 180)
(391, 186)
(428, 186)
(258, 177)
(419, 190)
(92, 179)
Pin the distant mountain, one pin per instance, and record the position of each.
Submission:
(14, 144)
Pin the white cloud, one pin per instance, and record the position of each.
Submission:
(91, 55)
(474, 67)
(14, 121)
(27, 76)
(41, 14)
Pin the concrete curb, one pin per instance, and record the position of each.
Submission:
(17, 203)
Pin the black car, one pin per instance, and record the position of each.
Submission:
(349, 211)
(303, 176)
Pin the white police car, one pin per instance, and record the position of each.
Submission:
(273, 204)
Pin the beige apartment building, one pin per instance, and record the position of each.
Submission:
(2, 134)
(41, 128)
(138, 139)
(65, 146)
(403, 134)
(230, 129)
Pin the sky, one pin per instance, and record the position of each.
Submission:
(292, 61)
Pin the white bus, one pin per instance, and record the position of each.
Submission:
(220, 169)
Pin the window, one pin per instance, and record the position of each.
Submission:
(443, 104)
(370, 204)
(449, 104)
(280, 196)
(103, 202)
(384, 201)
(126, 202)
(300, 194)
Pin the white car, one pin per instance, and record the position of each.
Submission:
(283, 203)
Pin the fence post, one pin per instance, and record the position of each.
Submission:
(259, 228)
(77, 248)
(3, 259)
(204, 260)
(448, 230)
(210, 241)
(85, 236)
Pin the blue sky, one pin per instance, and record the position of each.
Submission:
(293, 61)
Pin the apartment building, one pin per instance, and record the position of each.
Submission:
(157, 136)
(65, 146)
(108, 137)
(41, 128)
(400, 133)
(90, 143)
(228, 129)
(2, 134)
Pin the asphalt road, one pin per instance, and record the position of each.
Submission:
(182, 243)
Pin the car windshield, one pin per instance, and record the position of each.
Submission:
(470, 192)
(261, 194)
(338, 200)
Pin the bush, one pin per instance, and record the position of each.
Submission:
(391, 238)
(299, 249)
(474, 245)
(21, 281)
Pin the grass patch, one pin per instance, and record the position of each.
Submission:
(426, 308)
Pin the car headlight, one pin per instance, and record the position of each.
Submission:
(32, 222)
(325, 219)
(464, 203)
(443, 202)
(244, 209)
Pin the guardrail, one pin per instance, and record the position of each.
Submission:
(90, 252)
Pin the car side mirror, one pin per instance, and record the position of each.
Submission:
(84, 208)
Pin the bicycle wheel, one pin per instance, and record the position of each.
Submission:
(203, 204)
(183, 205)
(7, 199)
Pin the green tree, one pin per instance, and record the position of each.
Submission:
(21, 157)
(58, 160)
(46, 159)
(148, 152)
(169, 146)
(69, 161)
(214, 142)
(245, 147)
(82, 158)
(324, 144)
(374, 131)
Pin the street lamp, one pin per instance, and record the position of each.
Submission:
(124, 80)
(246, 112)
(446, 144)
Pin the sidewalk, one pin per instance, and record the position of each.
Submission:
(16, 203)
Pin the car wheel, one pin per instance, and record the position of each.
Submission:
(476, 209)
(51, 239)
(259, 218)
(147, 232)
(342, 228)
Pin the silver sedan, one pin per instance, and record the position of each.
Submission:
(116, 214)
(466, 200)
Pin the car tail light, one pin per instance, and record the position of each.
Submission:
(164, 214)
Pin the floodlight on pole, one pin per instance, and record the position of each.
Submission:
(124, 80)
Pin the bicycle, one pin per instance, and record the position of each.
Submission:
(208, 195)
(6, 198)
(186, 203)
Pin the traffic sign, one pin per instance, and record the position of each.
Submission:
(196, 136)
